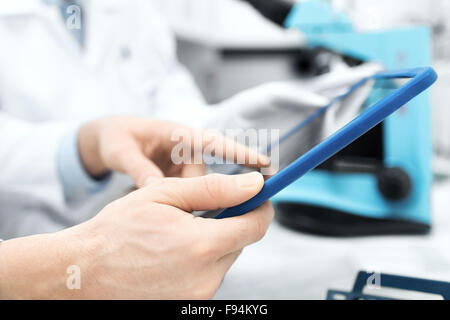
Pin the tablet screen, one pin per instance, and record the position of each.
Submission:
(321, 124)
(311, 127)
(381, 101)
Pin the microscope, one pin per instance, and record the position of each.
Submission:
(379, 185)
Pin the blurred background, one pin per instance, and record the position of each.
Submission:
(225, 40)
(228, 46)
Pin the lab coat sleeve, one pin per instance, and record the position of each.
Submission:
(28, 159)
(77, 183)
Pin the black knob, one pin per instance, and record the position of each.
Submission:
(394, 183)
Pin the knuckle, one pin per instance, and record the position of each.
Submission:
(235, 241)
(116, 206)
(260, 229)
(204, 251)
(271, 210)
(113, 154)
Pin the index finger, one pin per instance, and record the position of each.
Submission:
(214, 145)
(226, 148)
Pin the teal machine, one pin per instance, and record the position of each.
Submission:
(380, 184)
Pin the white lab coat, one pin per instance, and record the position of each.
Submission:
(49, 85)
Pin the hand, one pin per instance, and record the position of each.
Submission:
(142, 148)
(283, 105)
(147, 245)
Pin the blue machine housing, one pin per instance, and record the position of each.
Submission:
(407, 134)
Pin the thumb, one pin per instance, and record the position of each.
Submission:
(207, 193)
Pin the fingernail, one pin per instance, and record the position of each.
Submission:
(265, 161)
(269, 171)
(250, 181)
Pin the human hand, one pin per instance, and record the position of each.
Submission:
(143, 149)
(147, 245)
(282, 105)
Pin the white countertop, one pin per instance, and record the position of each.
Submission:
(291, 265)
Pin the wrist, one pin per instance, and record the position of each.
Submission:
(37, 267)
(30, 269)
(89, 150)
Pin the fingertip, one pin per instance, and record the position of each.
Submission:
(269, 172)
(264, 161)
(251, 182)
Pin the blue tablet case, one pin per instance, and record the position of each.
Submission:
(421, 79)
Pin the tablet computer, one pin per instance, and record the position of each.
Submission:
(312, 155)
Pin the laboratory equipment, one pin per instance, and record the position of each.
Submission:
(381, 183)
(402, 285)
(422, 79)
